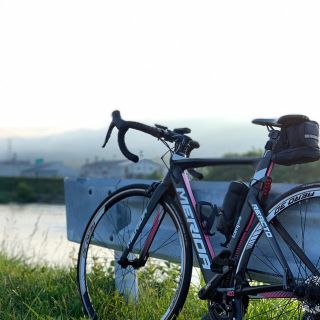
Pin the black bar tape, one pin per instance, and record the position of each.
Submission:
(116, 119)
(123, 126)
(123, 147)
(145, 128)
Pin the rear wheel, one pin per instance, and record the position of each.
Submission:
(296, 214)
(155, 290)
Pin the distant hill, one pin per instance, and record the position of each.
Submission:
(74, 147)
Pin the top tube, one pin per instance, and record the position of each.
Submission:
(187, 163)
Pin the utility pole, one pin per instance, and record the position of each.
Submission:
(9, 149)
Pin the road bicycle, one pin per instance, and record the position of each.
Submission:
(143, 242)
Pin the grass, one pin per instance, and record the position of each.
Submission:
(37, 292)
(154, 298)
(41, 292)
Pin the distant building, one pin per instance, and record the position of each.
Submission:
(105, 169)
(143, 168)
(13, 167)
(50, 170)
(120, 169)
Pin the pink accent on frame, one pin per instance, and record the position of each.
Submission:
(277, 294)
(193, 200)
(270, 169)
(245, 233)
(152, 233)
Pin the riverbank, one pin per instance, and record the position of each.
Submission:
(28, 190)
(38, 232)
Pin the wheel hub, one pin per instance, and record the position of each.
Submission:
(311, 299)
(125, 262)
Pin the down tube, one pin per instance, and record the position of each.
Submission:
(201, 243)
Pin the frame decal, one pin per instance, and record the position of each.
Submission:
(279, 207)
(194, 230)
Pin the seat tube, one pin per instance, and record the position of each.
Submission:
(246, 218)
(264, 168)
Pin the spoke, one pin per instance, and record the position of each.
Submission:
(106, 279)
(142, 210)
(260, 313)
(303, 219)
(300, 261)
(165, 243)
(286, 311)
(128, 229)
(121, 241)
(303, 228)
(146, 233)
(127, 270)
(299, 266)
(270, 265)
(276, 306)
(133, 283)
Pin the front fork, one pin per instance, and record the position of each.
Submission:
(159, 190)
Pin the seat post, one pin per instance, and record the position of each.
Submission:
(273, 137)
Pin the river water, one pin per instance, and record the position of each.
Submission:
(37, 232)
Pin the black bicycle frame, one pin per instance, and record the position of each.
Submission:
(251, 209)
(177, 181)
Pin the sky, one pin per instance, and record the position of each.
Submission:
(66, 64)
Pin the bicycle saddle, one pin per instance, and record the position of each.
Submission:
(286, 120)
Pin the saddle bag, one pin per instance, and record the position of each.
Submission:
(298, 141)
(231, 207)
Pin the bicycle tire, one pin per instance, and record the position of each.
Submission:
(296, 211)
(95, 274)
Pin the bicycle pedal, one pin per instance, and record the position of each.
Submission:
(208, 291)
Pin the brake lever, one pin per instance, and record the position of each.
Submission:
(108, 135)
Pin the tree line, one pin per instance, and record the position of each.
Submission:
(301, 173)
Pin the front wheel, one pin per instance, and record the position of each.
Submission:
(294, 219)
(154, 290)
